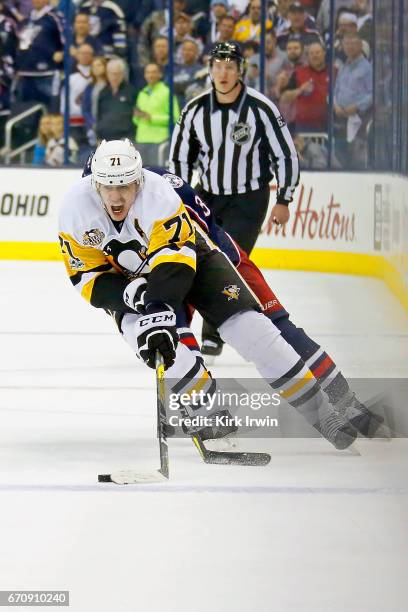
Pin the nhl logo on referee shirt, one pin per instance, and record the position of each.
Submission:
(232, 292)
(240, 133)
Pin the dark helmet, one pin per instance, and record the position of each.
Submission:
(227, 50)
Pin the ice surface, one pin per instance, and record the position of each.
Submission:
(316, 530)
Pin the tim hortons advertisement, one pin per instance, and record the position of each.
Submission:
(329, 212)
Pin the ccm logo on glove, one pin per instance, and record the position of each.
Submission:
(157, 332)
(160, 318)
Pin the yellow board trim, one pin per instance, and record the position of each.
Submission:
(337, 263)
(281, 259)
(34, 251)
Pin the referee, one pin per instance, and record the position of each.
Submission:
(237, 138)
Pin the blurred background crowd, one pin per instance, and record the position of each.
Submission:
(319, 60)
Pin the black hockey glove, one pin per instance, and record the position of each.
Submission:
(157, 331)
(134, 293)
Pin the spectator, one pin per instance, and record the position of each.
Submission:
(17, 11)
(183, 28)
(353, 97)
(298, 28)
(310, 6)
(160, 57)
(6, 80)
(346, 22)
(365, 20)
(43, 136)
(219, 10)
(82, 35)
(294, 58)
(280, 15)
(161, 54)
(91, 96)
(108, 25)
(115, 104)
(186, 72)
(54, 152)
(249, 28)
(151, 115)
(154, 25)
(308, 89)
(323, 14)
(249, 49)
(143, 9)
(8, 35)
(281, 21)
(78, 81)
(226, 27)
(40, 41)
(225, 33)
(275, 61)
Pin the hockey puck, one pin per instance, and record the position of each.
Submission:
(104, 478)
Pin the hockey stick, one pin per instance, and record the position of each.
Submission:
(131, 476)
(227, 457)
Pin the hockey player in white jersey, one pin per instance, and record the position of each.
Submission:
(130, 247)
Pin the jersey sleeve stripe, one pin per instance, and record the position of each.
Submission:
(172, 248)
(177, 258)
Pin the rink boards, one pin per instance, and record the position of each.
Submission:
(354, 223)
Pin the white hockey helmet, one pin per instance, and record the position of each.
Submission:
(117, 162)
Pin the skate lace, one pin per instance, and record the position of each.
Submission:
(331, 425)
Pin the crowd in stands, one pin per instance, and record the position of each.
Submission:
(118, 65)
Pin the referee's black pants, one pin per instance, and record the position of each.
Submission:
(241, 215)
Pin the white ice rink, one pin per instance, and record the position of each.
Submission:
(315, 531)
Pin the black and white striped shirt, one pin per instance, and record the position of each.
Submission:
(237, 146)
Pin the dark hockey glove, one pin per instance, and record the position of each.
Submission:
(157, 331)
(133, 295)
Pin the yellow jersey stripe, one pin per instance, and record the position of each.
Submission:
(176, 258)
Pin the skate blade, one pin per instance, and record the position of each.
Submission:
(131, 477)
(209, 360)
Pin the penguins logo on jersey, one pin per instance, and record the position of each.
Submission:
(129, 257)
(232, 292)
(175, 181)
(93, 237)
(240, 133)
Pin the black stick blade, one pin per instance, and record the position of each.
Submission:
(228, 458)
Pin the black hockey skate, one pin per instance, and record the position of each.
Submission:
(222, 424)
(359, 416)
(211, 348)
(336, 430)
